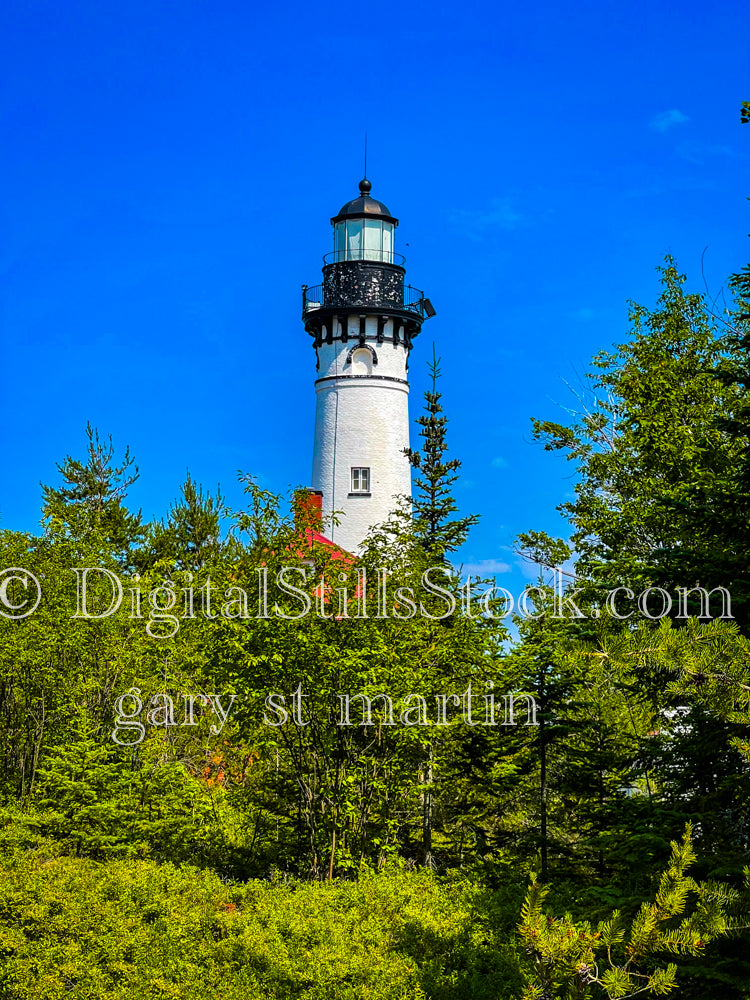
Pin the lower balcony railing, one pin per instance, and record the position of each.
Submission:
(412, 300)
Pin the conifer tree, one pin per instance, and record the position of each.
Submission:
(568, 959)
(436, 531)
(653, 461)
(659, 503)
(89, 508)
(79, 793)
(728, 515)
(191, 536)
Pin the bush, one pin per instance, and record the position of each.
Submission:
(75, 927)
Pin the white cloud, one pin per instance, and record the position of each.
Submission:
(699, 152)
(531, 570)
(476, 223)
(666, 119)
(485, 567)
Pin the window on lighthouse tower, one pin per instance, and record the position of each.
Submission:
(361, 362)
(360, 480)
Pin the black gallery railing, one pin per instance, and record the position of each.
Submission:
(315, 297)
(357, 253)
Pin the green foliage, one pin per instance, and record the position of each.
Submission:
(190, 539)
(653, 461)
(88, 509)
(435, 530)
(75, 789)
(641, 728)
(568, 960)
(137, 929)
(662, 452)
(540, 548)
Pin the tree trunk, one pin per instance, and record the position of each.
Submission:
(427, 814)
(543, 775)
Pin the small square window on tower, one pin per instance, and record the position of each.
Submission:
(360, 480)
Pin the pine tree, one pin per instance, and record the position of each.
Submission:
(89, 508)
(659, 503)
(654, 464)
(568, 959)
(578, 760)
(436, 532)
(80, 793)
(191, 536)
(728, 516)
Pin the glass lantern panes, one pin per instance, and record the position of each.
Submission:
(339, 240)
(364, 239)
(354, 239)
(388, 242)
(373, 239)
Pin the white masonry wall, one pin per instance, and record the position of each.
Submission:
(361, 421)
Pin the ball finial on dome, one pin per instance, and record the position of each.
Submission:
(365, 186)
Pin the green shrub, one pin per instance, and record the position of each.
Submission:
(75, 928)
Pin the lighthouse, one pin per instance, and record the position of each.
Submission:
(363, 319)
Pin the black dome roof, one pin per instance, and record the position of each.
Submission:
(365, 207)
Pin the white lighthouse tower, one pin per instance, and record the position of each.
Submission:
(363, 319)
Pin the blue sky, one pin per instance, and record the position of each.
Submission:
(170, 170)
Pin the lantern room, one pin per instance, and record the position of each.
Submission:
(364, 229)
